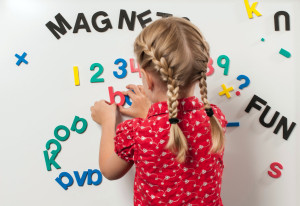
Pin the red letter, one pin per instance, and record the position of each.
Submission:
(112, 95)
(133, 69)
(277, 171)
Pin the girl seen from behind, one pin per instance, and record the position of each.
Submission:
(175, 140)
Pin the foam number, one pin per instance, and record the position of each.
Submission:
(224, 65)
(95, 78)
(51, 161)
(76, 75)
(133, 68)
(211, 69)
(122, 68)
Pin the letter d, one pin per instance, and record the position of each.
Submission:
(62, 184)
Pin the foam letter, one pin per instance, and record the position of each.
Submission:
(59, 180)
(130, 23)
(142, 21)
(64, 138)
(112, 95)
(277, 171)
(287, 20)
(253, 103)
(251, 9)
(74, 125)
(54, 153)
(105, 21)
(90, 177)
(85, 25)
(263, 115)
(60, 28)
(285, 132)
(80, 180)
(163, 15)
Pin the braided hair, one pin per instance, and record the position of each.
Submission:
(175, 49)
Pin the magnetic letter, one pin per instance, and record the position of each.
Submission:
(90, 177)
(287, 20)
(285, 132)
(142, 21)
(112, 95)
(163, 15)
(105, 21)
(263, 115)
(277, 171)
(54, 153)
(130, 23)
(67, 135)
(85, 25)
(251, 9)
(80, 180)
(62, 184)
(61, 26)
(74, 125)
(253, 103)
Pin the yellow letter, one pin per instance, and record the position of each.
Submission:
(251, 9)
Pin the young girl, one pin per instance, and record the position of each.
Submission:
(175, 141)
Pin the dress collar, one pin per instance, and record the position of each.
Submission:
(184, 104)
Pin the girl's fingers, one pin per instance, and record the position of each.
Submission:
(130, 94)
(135, 88)
(126, 111)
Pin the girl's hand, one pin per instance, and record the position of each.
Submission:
(140, 102)
(103, 112)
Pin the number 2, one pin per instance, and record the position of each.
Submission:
(95, 78)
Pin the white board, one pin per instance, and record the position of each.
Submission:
(38, 96)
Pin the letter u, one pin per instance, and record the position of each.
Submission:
(264, 114)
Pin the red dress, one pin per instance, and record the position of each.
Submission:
(159, 178)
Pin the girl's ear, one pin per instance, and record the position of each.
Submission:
(148, 79)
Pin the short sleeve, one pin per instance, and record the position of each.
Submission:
(220, 116)
(125, 140)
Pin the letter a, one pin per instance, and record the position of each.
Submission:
(251, 9)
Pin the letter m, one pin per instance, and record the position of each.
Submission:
(61, 26)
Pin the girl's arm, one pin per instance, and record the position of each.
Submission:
(111, 165)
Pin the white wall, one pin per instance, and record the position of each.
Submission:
(37, 97)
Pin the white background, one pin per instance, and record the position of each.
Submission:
(37, 97)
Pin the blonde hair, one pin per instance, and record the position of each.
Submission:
(174, 48)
